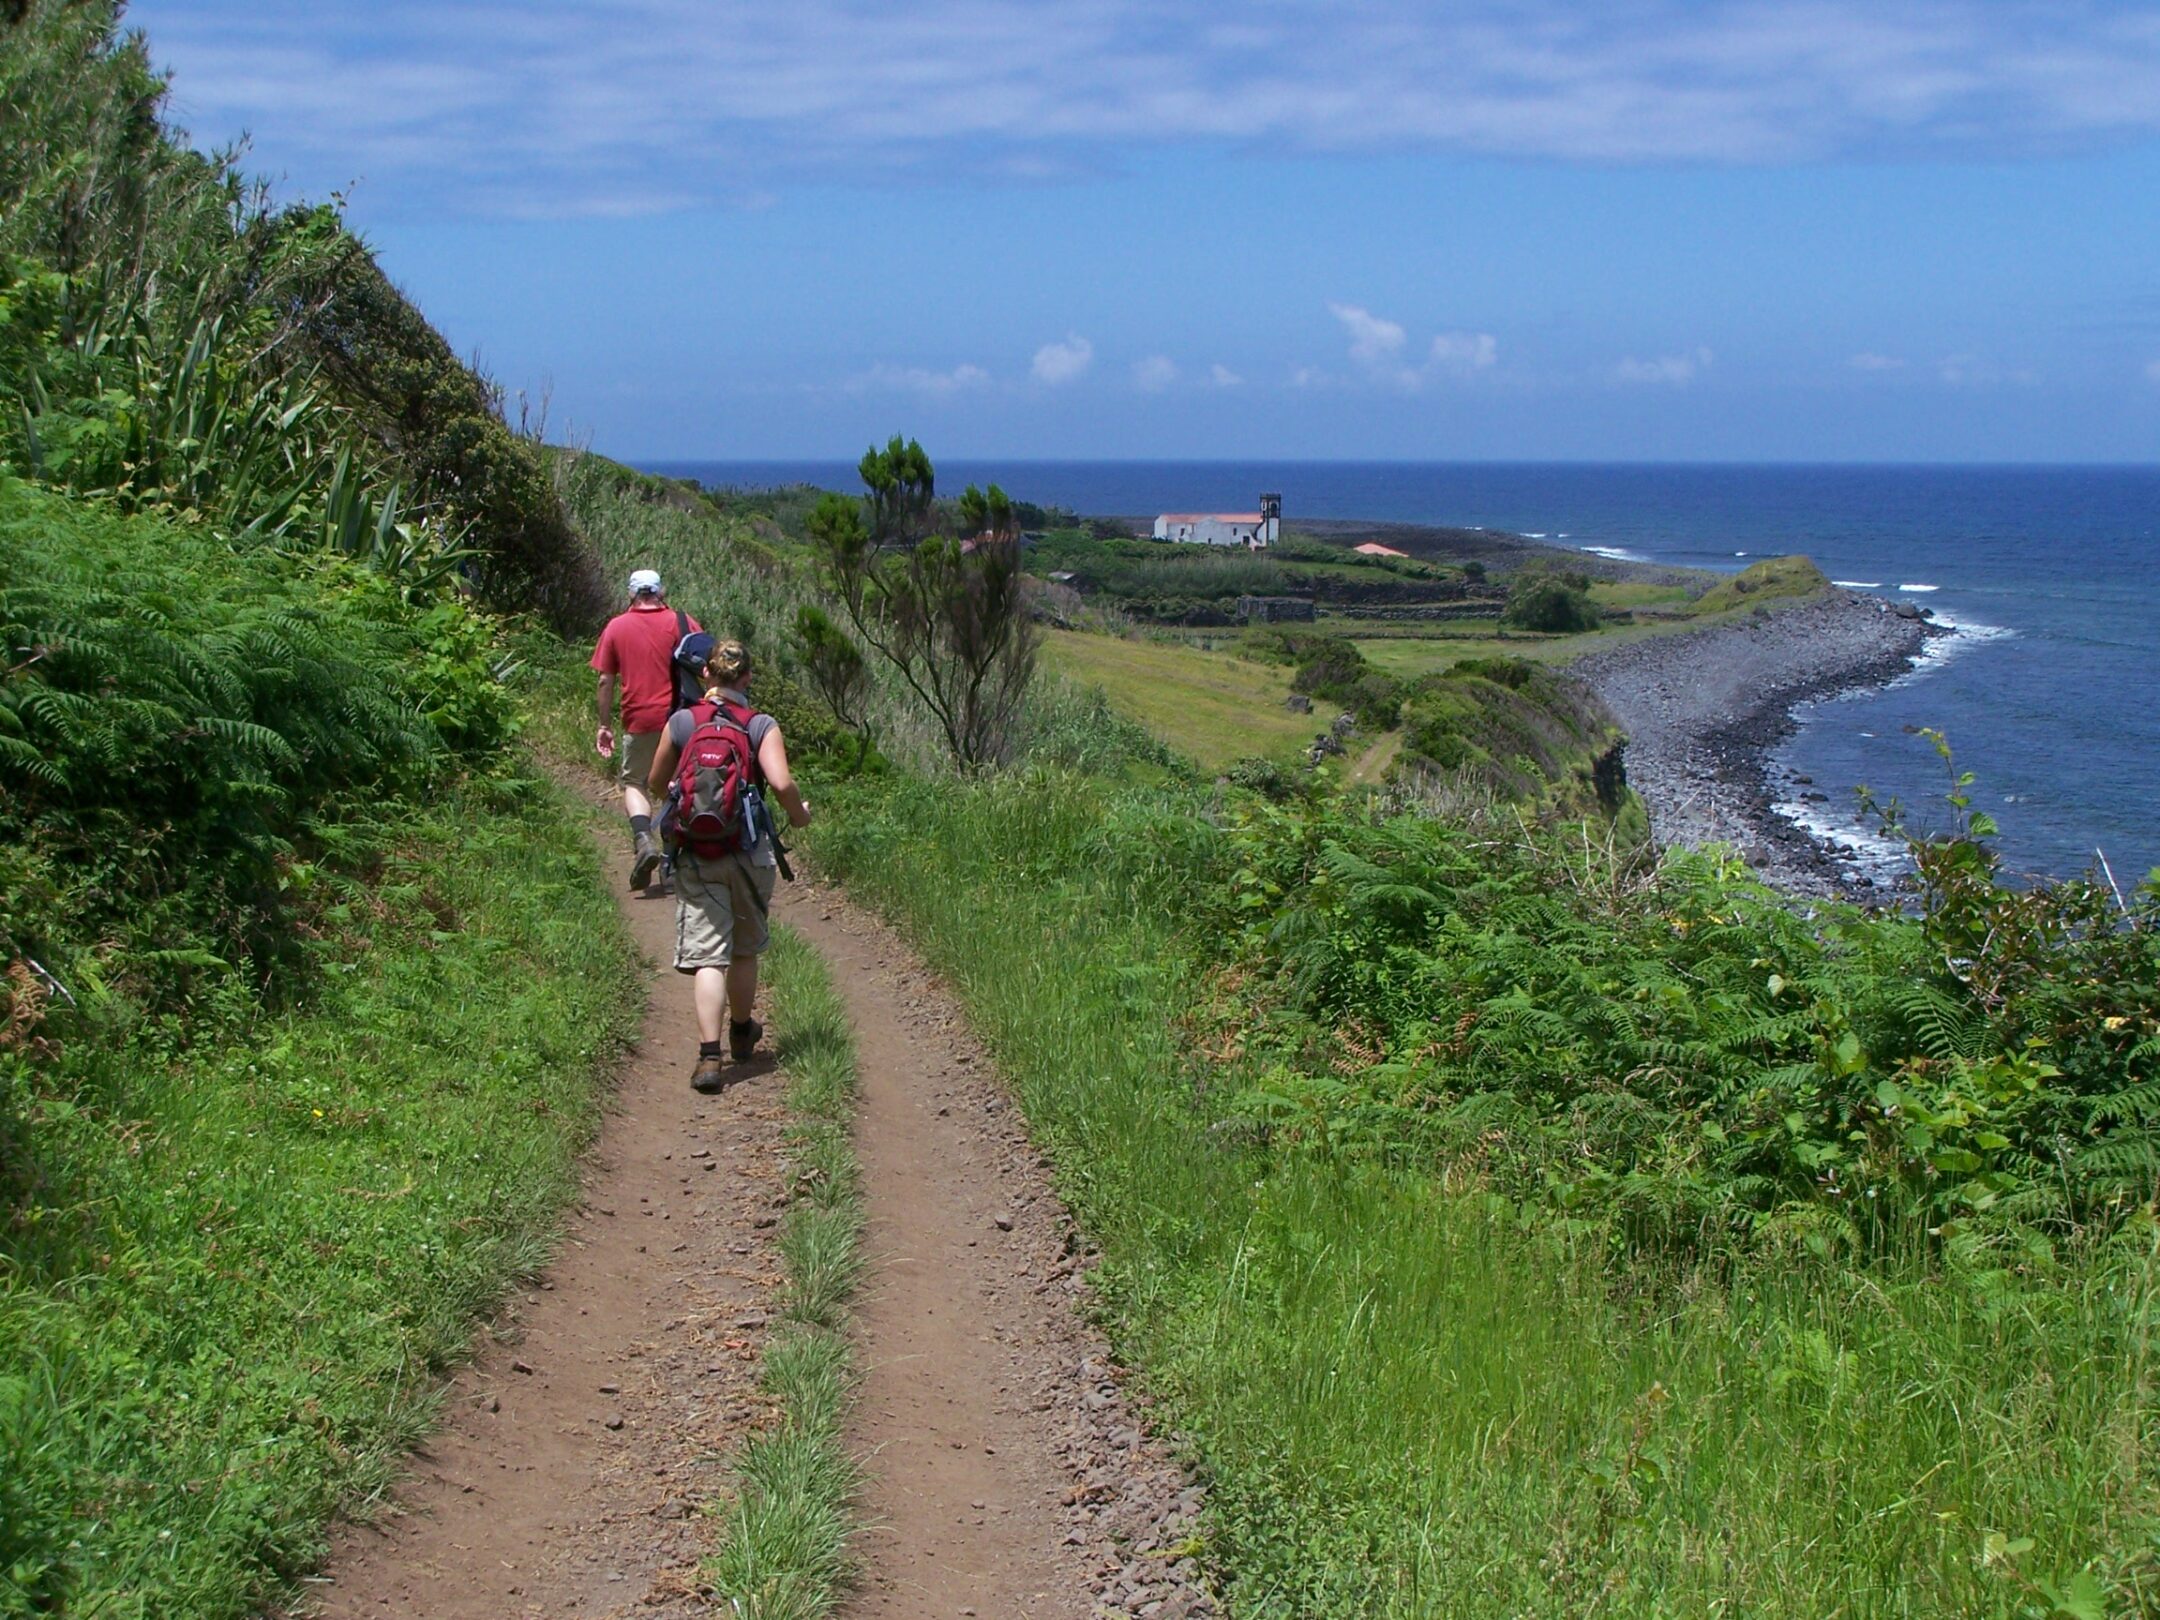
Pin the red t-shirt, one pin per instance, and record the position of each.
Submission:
(636, 648)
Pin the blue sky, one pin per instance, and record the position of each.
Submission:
(1628, 229)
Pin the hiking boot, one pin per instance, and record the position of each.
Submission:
(709, 1078)
(647, 861)
(742, 1038)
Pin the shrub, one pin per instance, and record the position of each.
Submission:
(183, 728)
(1550, 603)
(1522, 731)
(1693, 1055)
(441, 425)
(1264, 777)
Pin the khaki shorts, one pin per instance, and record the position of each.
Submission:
(634, 756)
(720, 907)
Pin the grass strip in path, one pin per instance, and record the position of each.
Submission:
(783, 1540)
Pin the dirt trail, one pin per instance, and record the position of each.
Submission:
(1009, 1473)
(577, 1450)
(1006, 1471)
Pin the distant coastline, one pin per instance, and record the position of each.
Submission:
(1704, 710)
(2049, 575)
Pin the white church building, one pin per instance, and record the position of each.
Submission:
(1253, 530)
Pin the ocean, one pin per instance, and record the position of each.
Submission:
(2049, 692)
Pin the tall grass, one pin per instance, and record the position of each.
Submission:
(256, 1238)
(1412, 1400)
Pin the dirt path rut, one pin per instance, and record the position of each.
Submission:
(1006, 1471)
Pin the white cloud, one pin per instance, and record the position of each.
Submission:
(1375, 344)
(1465, 352)
(1876, 362)
(1057, 363)
(1221, 376)
(886, 379)
(1380, 349)
(657, 104)
(1667, 370)
(1155, 373)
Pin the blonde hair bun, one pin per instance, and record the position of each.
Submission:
(730, 661)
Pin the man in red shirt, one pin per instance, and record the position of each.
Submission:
(636, 657)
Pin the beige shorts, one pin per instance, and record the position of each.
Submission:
(634, 755)
(720, 908)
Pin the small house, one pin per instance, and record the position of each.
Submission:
(1255, 531)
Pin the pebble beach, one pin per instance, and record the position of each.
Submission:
(1704, 710)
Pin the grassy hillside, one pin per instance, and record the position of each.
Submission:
(1210, 708)
(307, 986)
(171, 340)
(309, 989)
(1470, 1300)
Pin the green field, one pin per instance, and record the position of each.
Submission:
(1410, 651)
(1210, 706)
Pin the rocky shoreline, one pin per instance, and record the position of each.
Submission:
(1703, 712)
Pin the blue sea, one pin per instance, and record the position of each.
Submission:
(2049, 692)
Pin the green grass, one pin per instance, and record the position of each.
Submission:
(224, 1311)
(1772, 579)
(1637, 593)
(783, 1539)
(1408, 653)
(1412, 1399)
(1208, 706)
(1411, 649)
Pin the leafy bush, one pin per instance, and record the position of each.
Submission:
(1519, 730)
(1694, 1051)
(184, 727)
(1266, 778)
(1548, 602)
(169, 339)
(441, 424)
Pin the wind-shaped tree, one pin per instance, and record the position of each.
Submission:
(949, 615)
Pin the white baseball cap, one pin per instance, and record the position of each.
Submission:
(645, 582)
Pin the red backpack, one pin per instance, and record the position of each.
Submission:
(717, 771)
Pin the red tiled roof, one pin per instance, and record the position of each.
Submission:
(1210, 517)
(1373, 548)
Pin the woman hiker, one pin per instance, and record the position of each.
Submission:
(723, 893)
